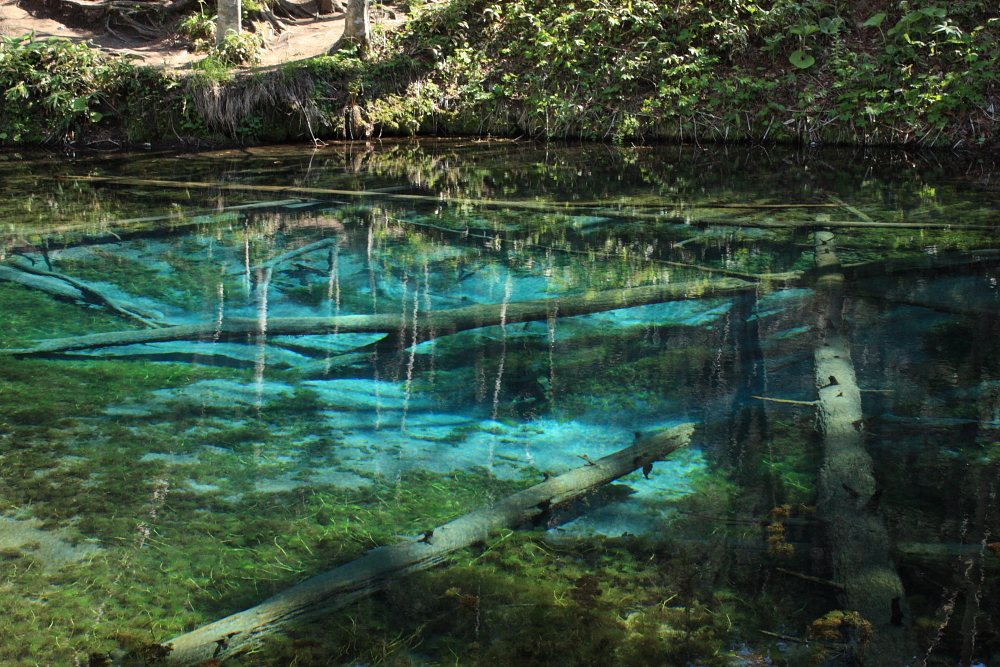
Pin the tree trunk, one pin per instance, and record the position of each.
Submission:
(357, 27)
(230, 19)
(860, 546)
(248, 629)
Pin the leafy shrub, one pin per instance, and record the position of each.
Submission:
(51, 86)
(242, 49)
(199, 28)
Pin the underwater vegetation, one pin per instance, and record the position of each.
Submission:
(148, 491)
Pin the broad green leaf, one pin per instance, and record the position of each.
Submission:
(875, 21)
(801, 59)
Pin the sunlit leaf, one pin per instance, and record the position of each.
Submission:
(875, 21)
(801, 59)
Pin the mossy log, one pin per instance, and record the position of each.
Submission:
(861, 549)
(248, 629)
(425, 326)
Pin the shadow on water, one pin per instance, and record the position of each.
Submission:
(225, 373)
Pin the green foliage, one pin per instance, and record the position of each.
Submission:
(920, 71)
(51, 87)
(234, 50)
(199, 28)
(607, 70)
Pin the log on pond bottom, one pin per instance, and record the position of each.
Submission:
(424, 326)
(248, 629)
(860, 546)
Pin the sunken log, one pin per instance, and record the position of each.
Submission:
(425, 326)
(248, 629)
(861, 549)
(67, 287)
(563, 207)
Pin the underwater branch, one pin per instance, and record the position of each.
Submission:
(425, 326)
(248, 629)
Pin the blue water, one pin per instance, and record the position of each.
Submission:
(153, 487)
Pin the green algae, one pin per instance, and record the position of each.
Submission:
(201, 556)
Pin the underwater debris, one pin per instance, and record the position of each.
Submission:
(246, 630)
(842, 627)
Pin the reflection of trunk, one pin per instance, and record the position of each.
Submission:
(428, 324)
(859, 543)
(974, 622)
(248, 629)
(739, 376)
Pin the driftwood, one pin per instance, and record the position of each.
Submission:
(426, 326)
(248, 629)
(861, 549)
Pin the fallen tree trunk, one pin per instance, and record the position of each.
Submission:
(861, 549)
(67, 287)
(114, 231)
(950, 308)
(248, 629)
(292, 254)
(97, 297)
(428, 325)
(542, 206)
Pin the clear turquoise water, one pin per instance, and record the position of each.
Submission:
(148, 489)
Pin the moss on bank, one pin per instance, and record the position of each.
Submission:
(858, 72)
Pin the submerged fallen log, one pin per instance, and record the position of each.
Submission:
(292, 254)
(564, 207)
(861, 549)
(248, 629)
(67, 287)
(424, 326)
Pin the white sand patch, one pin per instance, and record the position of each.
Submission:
(51, 548)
